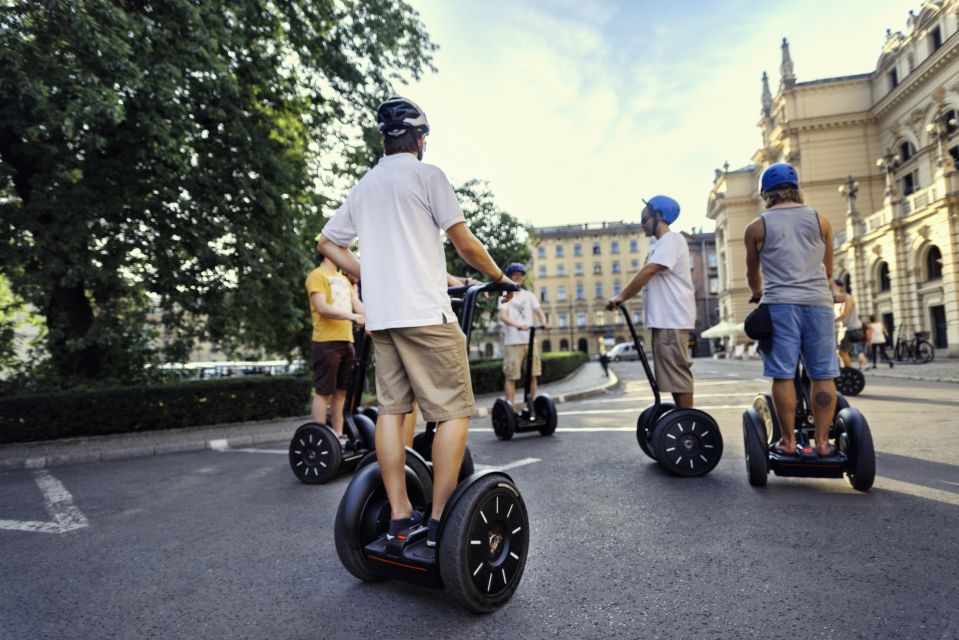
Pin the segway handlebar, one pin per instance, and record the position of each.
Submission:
(469, 294)
(641, 350)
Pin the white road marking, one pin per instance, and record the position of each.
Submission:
(597, 412)
(58, 503)
(507, 466)
(222, 445)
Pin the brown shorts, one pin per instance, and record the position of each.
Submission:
(332, 363)
(425, 363)
(671, 359)
(514, 361)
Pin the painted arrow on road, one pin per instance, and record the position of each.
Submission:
(59, 504)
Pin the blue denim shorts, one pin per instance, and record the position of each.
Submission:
(801, 329)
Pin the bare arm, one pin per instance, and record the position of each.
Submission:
(505, 319)
(541, 316)
(638, 282)
(828, 255)
(329, 311)
(341, 256)
(753, 239)
(357, 303)
(476, 255)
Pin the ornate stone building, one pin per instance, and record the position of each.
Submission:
(876, 154)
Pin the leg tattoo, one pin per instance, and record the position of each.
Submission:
(823, 398)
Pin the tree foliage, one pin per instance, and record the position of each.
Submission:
(162, 164)
(500, 232)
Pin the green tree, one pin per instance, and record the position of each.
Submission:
(159, 164)
(501, 233)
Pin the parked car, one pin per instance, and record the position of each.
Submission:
(623, 351)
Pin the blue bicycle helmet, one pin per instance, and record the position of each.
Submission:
(781, 174)
(514, 267)
(667, 208)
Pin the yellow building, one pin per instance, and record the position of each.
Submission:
(876, 154)
(575, 269)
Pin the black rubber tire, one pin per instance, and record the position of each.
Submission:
(851, 381)
(503, 418)
(763, 404)
(756, 447)
(834, 430)
(925, 352)
(502, 528)
(856, 443)
(645, 424)
(366, 430)
(423, 445)
(365, 510)
(413, 461)
(370, 412)
(546, 410)
(315, 453)
(681, 449)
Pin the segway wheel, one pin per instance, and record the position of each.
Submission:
(850, 382)
(856, 443)
(483, 544)
(423, 445)
(757, 453)
(763, 404)
(687, 442)
(370, 412)
(413, 461)
(546, 411)
(504, 419)
(466, 467)
(315, 453)
(645, 424)
(364, 515)
(841, 403)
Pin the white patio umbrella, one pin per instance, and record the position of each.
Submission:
(723, 329)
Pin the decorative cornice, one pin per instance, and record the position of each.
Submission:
(926, 70)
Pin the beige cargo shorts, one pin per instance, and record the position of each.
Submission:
(514, 361)
(671, 358)
(428, 364)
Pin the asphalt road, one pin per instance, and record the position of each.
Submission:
(229, 544)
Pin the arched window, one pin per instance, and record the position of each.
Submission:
(583, 345)
(933, 264)
(847, 283)
(547, 346)
(489, 349)
(564, 345)
(885, 284)
(906, 150)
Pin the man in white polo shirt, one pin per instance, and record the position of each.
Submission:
(669, 299)
(399, 211)
(517, 317)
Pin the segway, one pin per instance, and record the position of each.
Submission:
(855, 457)
(316, 455)
(685, 442)
(850, 381)
(537, 415)
(484, 533)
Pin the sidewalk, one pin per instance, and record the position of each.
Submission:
(586, 381)
(939, 370)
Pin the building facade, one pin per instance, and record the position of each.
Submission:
(704, 264)
(575, 269)
(876, 155)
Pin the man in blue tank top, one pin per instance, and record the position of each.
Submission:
(789, 256)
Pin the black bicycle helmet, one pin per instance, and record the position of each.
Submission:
(396, 115)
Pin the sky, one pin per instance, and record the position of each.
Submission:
(575, 110)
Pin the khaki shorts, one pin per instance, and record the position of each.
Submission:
(425, 363)
(671, 357)
(514, 361)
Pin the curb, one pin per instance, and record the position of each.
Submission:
(217, 444)
(613, 381)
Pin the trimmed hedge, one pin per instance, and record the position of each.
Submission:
(488, 374)
(149, 407)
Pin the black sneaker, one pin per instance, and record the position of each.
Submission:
(434, 532)
(402, 524)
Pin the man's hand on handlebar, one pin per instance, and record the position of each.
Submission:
(614, 303)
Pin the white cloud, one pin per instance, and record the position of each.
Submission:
(573, 111)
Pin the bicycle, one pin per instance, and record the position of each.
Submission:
(918, 350)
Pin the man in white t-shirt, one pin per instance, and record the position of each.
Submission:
(399, 211)
(668, 298)
(517, 317)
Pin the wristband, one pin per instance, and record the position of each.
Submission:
(502, 274)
